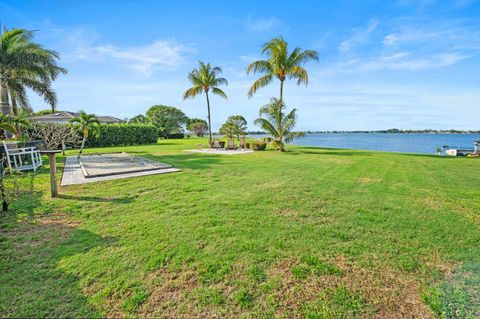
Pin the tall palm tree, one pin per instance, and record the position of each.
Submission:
(278, 124)
(204, 78)
(24, 65)
(280, 64)
(87, 124)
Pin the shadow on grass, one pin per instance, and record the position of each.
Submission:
(166, 143)
(26, 203)
(116, 200)
(33, 284)
(458, 295)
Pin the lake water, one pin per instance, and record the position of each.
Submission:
(410, 143)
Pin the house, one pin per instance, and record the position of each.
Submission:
(64, 117)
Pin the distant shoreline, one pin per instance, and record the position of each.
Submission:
(384, 132)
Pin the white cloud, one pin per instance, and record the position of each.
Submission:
(449, 35)
(250, 57)
(161, 54)
(85, 44)
(359, 36)
(403, 61)
(400, 61)
(408, 35)
(261, 24)
(363, 104)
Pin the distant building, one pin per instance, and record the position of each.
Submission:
(64, 117)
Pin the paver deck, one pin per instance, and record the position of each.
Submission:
(73, 174)
(95, 165)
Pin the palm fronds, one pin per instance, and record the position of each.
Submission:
(278, 124)
(26, 64)
(280, 64)
(88, 125)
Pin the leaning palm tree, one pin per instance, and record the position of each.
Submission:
(204, 78)
(24, 65)
(280, 64)
(278, 124)
(87, 124)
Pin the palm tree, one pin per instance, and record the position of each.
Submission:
(281, 64)
(278, 124)
(204, 78)
(87, 123)
(12, 123)
(25, 65)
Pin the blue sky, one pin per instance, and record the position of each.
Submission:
(405, 64)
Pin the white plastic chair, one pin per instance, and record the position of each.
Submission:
(16, 156)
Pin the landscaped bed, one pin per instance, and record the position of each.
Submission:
(317, 233)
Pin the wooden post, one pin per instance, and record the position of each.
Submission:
(53, 170)
(53, 175)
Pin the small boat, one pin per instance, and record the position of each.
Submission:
(462, 151)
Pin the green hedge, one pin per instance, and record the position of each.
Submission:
(176, 135)
(124, 134)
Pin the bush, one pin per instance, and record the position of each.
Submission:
(124, 134)
(258, 146)
(176, 135)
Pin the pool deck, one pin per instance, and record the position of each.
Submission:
(73, 174)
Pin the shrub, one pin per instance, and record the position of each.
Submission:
(124, 134)
(258, 146)
(176, 135)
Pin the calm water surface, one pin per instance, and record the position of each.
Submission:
(410, 143)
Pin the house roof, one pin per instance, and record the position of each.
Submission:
(67, 116)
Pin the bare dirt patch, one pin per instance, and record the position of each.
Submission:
(367, 180)
(393, 294)
(431, 203)
(171, 296)
(288, 212)
(389, 293)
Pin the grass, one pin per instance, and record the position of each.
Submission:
(315, 233)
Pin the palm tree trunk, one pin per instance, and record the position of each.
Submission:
(15, 112)
(4, 104)
(281, 148)
(281, 91)
(83, 144)
(209, 122)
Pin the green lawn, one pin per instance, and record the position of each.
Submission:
(315, 233)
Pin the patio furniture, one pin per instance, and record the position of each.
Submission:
(216, 144)
(20, 156)
(231, 144)
(242, 143)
